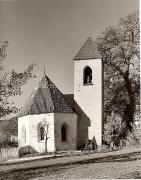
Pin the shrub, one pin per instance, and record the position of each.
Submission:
(91, 144)
(134, 137)
(26, 150)
(114, 130)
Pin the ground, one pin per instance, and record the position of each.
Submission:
(109, 165)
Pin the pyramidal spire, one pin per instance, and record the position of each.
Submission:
(46, 99)
(88, 50)
(44, 70)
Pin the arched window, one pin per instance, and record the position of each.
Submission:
(23, 134)
(64, 133)
(87, 75)
(42, 133)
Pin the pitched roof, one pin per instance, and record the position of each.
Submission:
(76, 108)
(88, 51)
(46, 99)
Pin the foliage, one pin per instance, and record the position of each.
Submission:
(8, 144)
(114, 130)
(119, 48)
(26, 150)
(91, 144)
(11, 83)
(8, 132)
(134, 137)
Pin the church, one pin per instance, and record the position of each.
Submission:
(66, 121)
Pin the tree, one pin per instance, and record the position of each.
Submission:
(45, 126)
(11, 83)
(114, 130)
(119, 48)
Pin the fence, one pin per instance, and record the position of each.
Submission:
(8, 153)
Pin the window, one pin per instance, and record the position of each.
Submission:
(87, 75)
(42, 133)
(23, 134)
(64, 133)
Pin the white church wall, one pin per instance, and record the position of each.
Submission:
(70, 120)
(89, 97)
(31, 123)
(34, 132)
(23, 121)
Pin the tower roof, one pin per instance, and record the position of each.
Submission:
(46, 99)
(88, 51)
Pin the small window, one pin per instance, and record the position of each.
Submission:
(87, 75)
(64, 133)
(42, 133)
(23, 134)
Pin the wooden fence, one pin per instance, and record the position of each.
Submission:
(8, 153)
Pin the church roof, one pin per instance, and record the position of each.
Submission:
(46, 99)
(88, 51)
(76, 108)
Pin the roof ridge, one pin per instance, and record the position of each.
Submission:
(50, 94)
(62, 95)
(46, 99)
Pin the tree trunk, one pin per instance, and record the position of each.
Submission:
(130, 107)
(46, 143)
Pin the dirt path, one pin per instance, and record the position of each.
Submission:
(110, 165)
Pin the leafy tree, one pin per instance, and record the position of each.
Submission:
(11, 83)
(134, 137)
(114, 130)
(119, 48)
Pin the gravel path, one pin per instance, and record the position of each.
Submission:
(97, 166)
(106, 170)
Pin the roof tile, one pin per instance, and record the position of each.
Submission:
(46, 99)
(88, 51)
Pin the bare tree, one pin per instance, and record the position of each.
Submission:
(11, 83)
(45, 125)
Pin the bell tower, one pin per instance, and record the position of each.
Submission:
(88, 86)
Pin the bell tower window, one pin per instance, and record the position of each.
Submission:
(87, 75)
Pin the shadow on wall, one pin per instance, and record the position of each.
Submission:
(83, 121)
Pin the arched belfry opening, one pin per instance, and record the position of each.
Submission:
(64, 132)
(87, 75)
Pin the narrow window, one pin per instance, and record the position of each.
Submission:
(23, 134)
(87, 75)
(42, 133)
(64, 133)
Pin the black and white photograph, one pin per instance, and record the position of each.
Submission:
(70, 89)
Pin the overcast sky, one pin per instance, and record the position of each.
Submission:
(51, 32)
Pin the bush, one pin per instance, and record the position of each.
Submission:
(26, 150)
(91, 144)
(103, 148)
(114, 130)
(5, 144)
(134, 137)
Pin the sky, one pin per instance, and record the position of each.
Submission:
(50, 33)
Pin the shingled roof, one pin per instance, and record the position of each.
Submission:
(46, 99)
(88, 51)
(77, 109)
